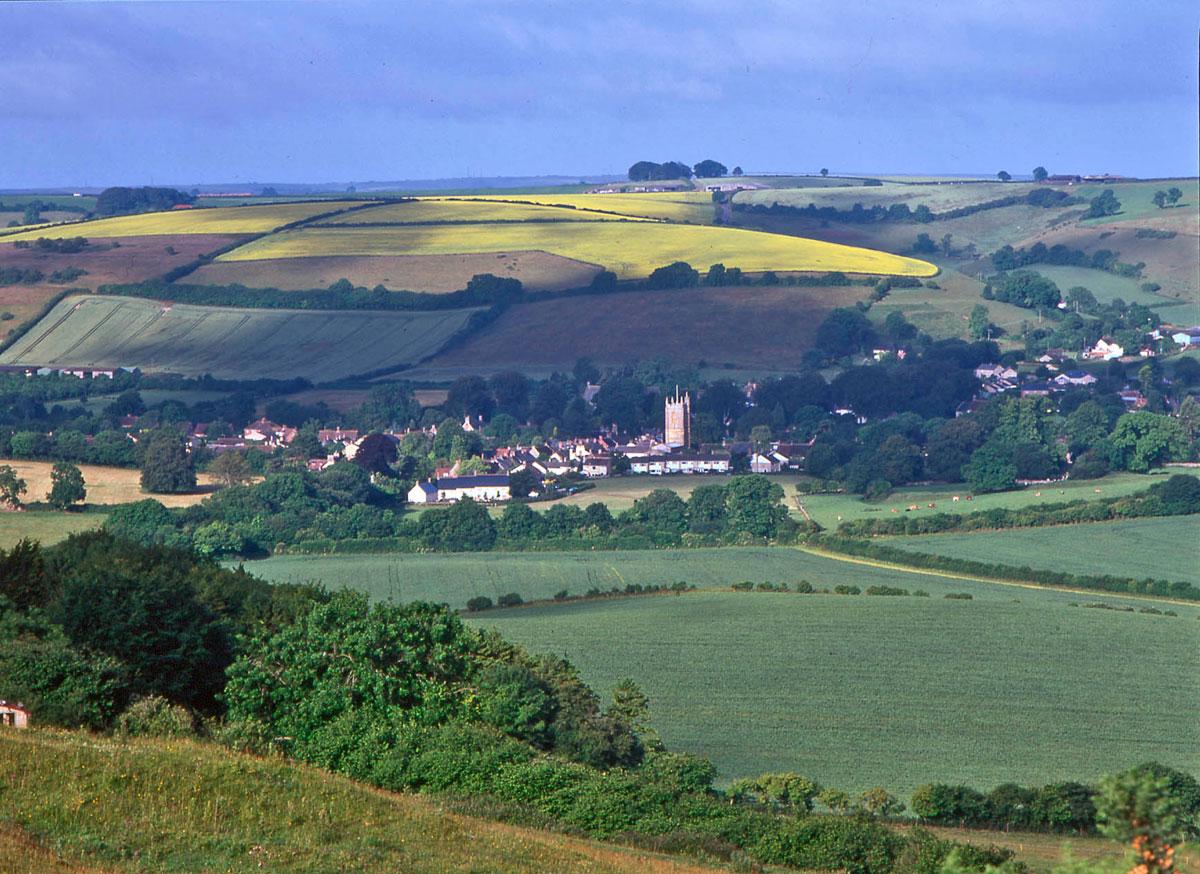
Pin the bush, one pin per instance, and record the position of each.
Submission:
(482, 602)
(959, 596)
(155, 716)
(512, 599)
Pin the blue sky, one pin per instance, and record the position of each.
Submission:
(133, 93)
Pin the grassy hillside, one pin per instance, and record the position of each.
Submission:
(73, 801)
(48, 527)
(857, 691)
(231, 343)
(1161, 548)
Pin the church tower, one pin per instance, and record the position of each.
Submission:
(678, 428)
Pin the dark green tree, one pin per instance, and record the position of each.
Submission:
(66, 486)
(1040, 174)
(166, 464)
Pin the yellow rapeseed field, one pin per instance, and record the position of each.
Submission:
(429, 210)
(219, 220)
(630, 249)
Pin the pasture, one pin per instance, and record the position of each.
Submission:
(619, 493)
(135, 259)
(857, 691)
(105, 486)
(229, 342)
(538, 271)
(218, 220)
(43, 525)
(751, 327)
(828, 510)
(1164, 548)
(939, 197)
(1137, 199)
(630, 249)
(1104, 285)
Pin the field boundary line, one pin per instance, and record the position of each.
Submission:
(887, 565)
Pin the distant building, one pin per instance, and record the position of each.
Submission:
(14, 714)
(488, 487)
(681, 462)
(1107, 350)
(678, 427)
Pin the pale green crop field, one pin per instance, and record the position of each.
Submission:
(857, 691)
(1104, 285)
(230, 342)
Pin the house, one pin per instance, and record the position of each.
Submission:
(1053, 356)
(14, 714)
(764, 463)
(1132, 399)
(1187, 337)
(1075, 377)
(1038, 388)
(267, 432)
(681, 462)
(590, 391)
(596, 466)
(337, 435)
(1106, 350)
(486, 487)
(995, 371)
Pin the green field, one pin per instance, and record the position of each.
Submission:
(1137, 199)
(1104, 285)
(47, 527)
(1164, 549)
(862, 691)
(231, 343)
(829, 510)
(619, 493)
(939, 197)
(854, 690)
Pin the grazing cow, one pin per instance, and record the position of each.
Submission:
(1097, 491)
(913, 507)
(932, 505)
(955, 499)
(969, 498)
(1037, 494)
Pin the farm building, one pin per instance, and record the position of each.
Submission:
(14, 714)
(1187, 337)
(1107, 350)
(446, 490)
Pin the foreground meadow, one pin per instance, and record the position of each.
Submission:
(72, 801)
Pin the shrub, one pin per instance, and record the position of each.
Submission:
(481, 602)
(959, 596)
(512, 599)
(155, 716)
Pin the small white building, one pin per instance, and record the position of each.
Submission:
(1106, 350)
(14, 714)
(485, 488)
(1075, 377)
(680, 462)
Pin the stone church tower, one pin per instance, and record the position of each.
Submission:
(678, 430)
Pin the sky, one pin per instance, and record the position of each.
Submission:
(107, 93)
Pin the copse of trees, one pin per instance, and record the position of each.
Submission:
(1104, 204)
(649, 171)
(121, 200)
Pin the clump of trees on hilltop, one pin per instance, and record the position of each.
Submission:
(650, 171)
(120, 200)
